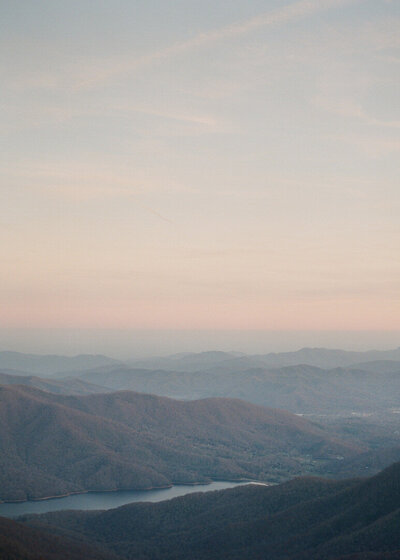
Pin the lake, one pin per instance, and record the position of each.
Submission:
(108, 500)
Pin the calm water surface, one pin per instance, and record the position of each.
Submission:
(108, 500)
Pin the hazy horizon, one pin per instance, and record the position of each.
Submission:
(130, 344)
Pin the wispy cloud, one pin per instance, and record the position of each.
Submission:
(296, 10)
(351, 109)
(290, 12)
(373, 146)
(191, 118)
(90, 183)
(39, 114)
(353, 88)
(88, 74)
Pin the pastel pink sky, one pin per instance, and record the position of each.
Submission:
(201, 166)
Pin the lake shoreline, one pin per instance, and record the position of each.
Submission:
(148, 489)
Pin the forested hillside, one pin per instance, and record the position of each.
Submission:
(53, 444)
(304, 519)
(19, 542)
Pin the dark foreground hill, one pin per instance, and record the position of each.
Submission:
(19, 542)
(52, 444)
(304, 519)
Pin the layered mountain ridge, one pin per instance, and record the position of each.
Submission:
(55, 444)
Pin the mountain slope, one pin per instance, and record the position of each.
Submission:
(53, 444)
(19, 542)
(304, 519)
(379, 366)
(65, 386)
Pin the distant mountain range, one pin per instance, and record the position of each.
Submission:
(318, 357)
(300, 389)
(303, 389)
(49, 364)
(54, 444)
(304, 519)
(192, 362)
(64, 386)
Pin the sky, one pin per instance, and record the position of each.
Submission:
(186, 166)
